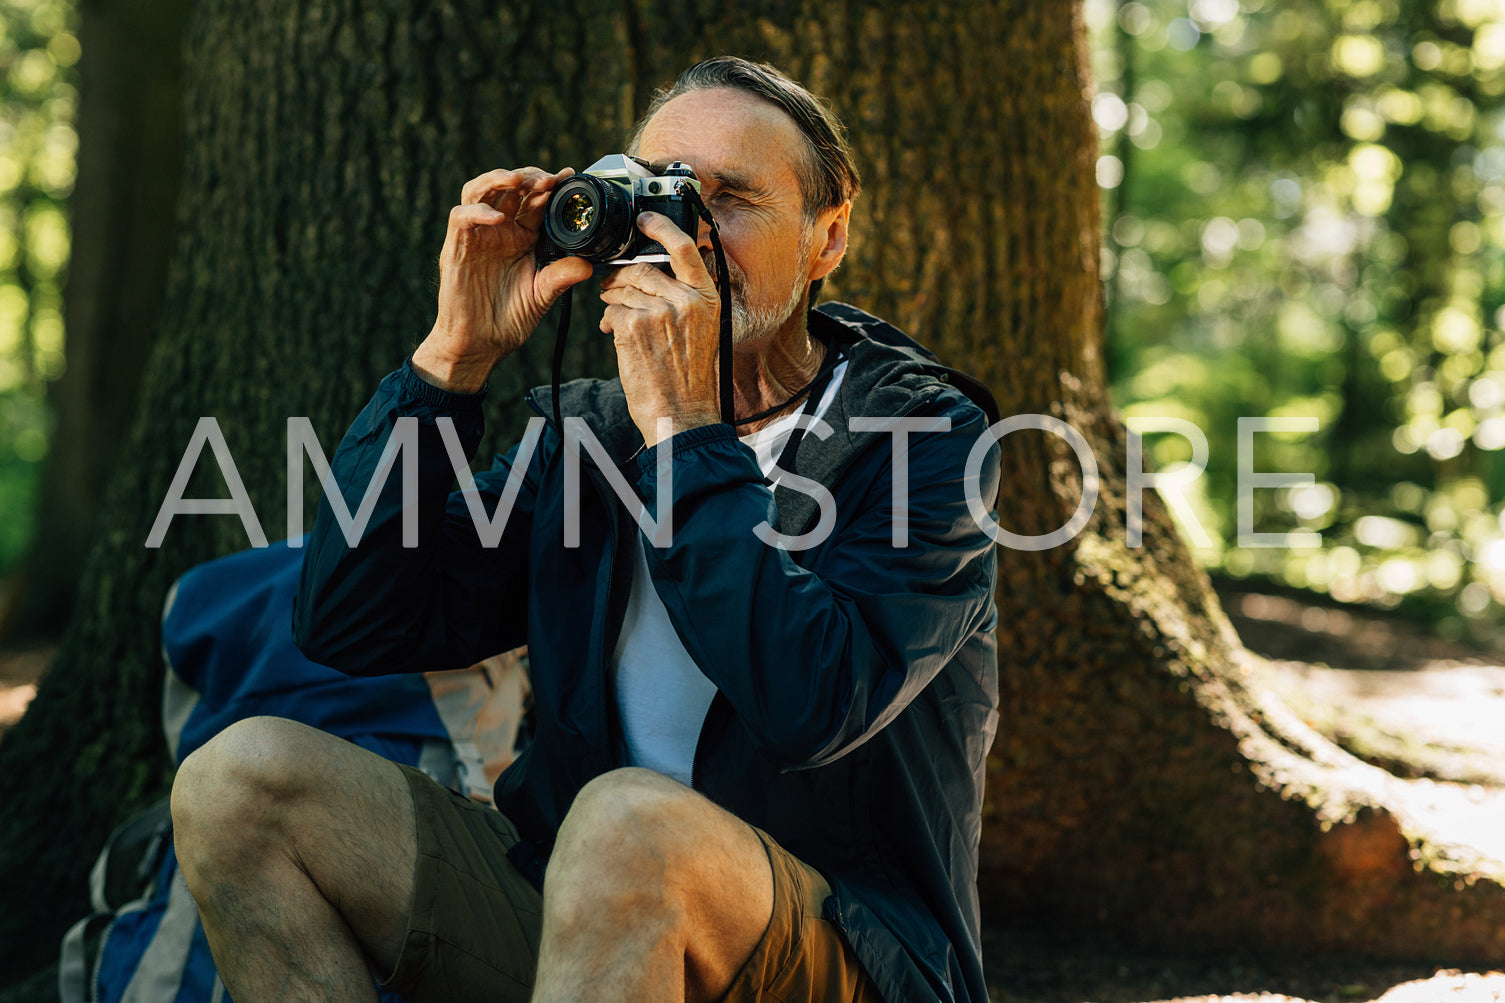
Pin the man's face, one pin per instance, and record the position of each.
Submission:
(742, 150)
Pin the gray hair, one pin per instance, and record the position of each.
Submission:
(827, 176)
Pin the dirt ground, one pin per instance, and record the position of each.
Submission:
(20, 672)
(1027, 967)
(1386, 690)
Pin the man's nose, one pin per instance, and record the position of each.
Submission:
(703, 237)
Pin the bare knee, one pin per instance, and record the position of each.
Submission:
(234, 792)
(633, 812)
(624, 847)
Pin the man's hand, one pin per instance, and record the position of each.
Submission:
(665, 329)
(491, 293)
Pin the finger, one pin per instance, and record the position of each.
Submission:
(622, 321)
(649, 278)
(613, 316)
(478, 188)
(492, 185)
(632, 298)
(464, 217)
(530, 209)
(684, 256)
(557, 276)
(526, 203)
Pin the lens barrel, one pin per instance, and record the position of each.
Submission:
(590, 218)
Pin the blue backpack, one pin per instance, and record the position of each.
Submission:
(229, 653)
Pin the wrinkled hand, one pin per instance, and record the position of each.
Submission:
(491, 292)
(665, 328)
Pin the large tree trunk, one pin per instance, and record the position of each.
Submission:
(325, 143)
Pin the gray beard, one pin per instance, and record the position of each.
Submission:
(750, 324)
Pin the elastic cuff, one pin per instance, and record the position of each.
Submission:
(682, 442)
(424, 392)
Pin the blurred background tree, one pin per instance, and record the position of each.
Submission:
(1306, 217)
(38, 51)
(120, 228)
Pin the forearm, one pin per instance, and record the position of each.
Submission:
(379, 604)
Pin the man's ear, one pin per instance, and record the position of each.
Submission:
(830, 240)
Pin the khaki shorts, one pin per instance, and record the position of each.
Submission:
(475, 921)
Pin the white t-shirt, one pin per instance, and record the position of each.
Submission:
(662, 696)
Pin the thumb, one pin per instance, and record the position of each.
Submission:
(557, 276)
(684, 254)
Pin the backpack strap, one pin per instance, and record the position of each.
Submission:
(73, 970)
(122, 879)
(159, 973)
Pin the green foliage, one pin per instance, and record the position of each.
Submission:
(37, 145)
(1306, 217)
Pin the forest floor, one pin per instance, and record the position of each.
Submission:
(20, 671)
(1385, 689)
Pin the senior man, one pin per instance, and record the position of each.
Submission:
(759, 751)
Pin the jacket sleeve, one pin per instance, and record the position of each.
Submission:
(817, 661)
(382, 606)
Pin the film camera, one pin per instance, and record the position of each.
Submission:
(594, 214)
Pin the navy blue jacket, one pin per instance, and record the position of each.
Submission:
(857, 682)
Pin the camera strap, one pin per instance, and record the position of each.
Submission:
(724, 285)
(561, 333)
(723, 279)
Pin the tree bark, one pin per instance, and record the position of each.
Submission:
(1136, 781)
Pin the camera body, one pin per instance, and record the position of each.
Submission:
(593, 215)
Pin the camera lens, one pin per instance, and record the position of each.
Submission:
(589, 217)
(578, 212)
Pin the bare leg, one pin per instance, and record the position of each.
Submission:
(651, 890)
(299, 849)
